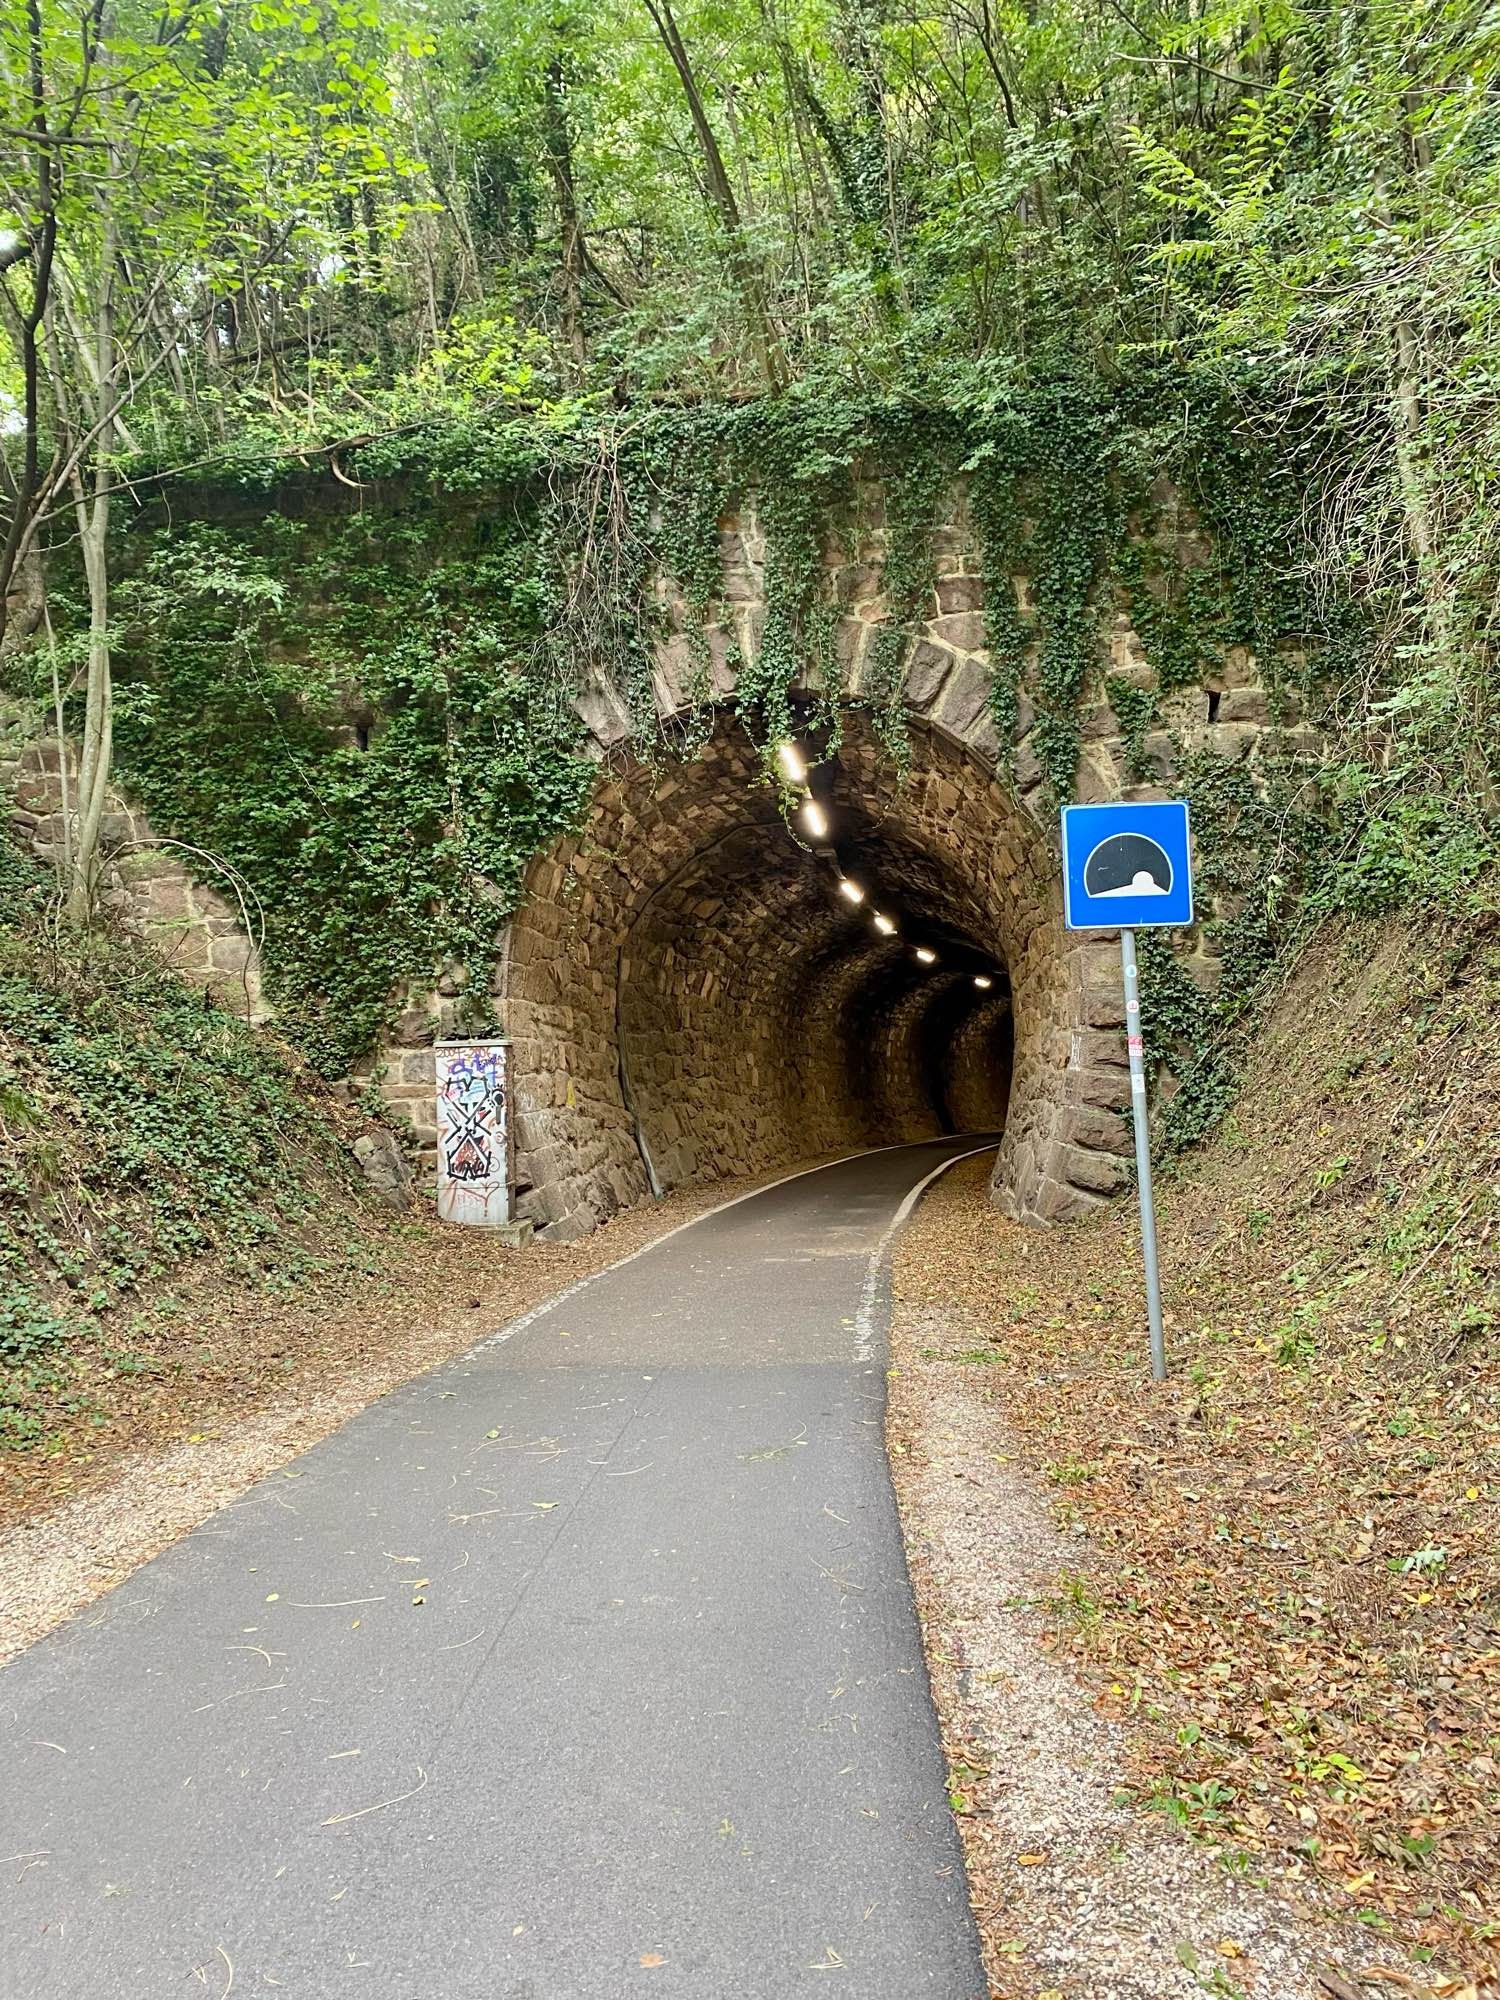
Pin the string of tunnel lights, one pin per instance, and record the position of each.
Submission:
(814, 823)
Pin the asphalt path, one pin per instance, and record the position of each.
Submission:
(585, 1665)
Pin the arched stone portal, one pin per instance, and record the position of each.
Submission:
(690, 998)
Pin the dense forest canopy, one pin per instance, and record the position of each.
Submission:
(232, 233)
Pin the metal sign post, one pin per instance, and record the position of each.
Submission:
(1126, 867)
(1143, 1153)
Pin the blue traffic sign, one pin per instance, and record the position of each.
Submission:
(1126, 866)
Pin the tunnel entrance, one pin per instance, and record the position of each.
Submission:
(691, 996)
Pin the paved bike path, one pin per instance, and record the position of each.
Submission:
(585, 1665)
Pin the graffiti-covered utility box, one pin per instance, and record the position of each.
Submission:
(474, 1172)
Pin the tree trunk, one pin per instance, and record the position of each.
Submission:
(768, 355)
(64, 860)
(92, 513)
(40, 245)
(878, 209)
(98, 715)
(570, 230)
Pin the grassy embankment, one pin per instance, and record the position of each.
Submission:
(176, 1194)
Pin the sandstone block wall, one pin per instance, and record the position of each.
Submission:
(149, 885)
(629, 985)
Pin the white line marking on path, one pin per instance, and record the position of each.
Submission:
(864, 1319)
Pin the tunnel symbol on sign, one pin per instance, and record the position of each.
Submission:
(1128, 864)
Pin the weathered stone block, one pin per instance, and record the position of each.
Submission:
(1098, 723)
(1098, 1173)
(1090, 1048)
(383, 1165)
(983, 737)
(602, 713)
(1244, 704)
(1104, 1089)
(1240, 668)
(1103, 1006)
(414, 1028)
(569, 1228)
(1095, 1127)
(967, 694)
(1097, 780)
(1233, 741)
(1056, 1201)
(233, 954)
(849, 640)
(671, 673)
(963, 630)
(959, 593)
(145, 864)
(926, 673)
(1159, 753)
(1028, 770)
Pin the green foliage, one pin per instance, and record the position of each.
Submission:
(1135, 711)
(360, 722)
(1251, 842)
(1046, 505)
(1417, 848)
(1085, 252)
(917, 480)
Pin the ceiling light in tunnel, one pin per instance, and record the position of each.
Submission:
(927, 956)
(815, 820)
(983, 981)
(851, 889)
(884, 925)
(790, 759)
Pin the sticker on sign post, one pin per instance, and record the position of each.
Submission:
(1126, 866)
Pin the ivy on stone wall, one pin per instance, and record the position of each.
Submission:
(994, 468)
(1251, 838)
(917, 482)
(369, 713)
(353, 715)
(1135, 711)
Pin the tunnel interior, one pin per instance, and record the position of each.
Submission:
(691, 996)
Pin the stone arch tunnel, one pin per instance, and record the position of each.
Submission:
(690, 997)
(687, 995)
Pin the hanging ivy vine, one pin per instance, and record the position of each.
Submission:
(917, 482)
